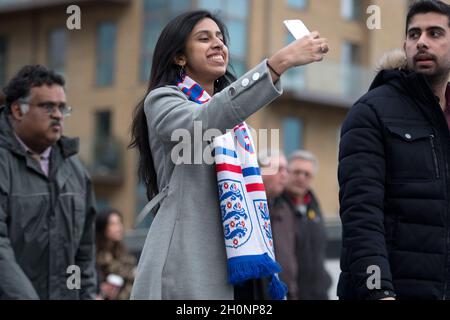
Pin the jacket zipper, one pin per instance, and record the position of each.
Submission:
(433, 148)
(446, 178)
(447, 235)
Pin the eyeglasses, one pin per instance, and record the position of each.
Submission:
(51, 106)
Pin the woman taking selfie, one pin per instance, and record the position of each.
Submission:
(211, 233)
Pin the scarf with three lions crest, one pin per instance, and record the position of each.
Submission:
(243, 203)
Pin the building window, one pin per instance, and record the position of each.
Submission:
(234, 14)
(350, 66)
(103, 124)
(156, 15)
(351, 9)
(3, 62)
(351, 53)
(106, 157)
(57, 44)
(106, 46)
(292, 134)
(298, 4)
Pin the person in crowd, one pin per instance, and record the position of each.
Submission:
(393, 171)
(196, 243)
(116, 266)
(285, 229)
(47, 205)
(313, 280)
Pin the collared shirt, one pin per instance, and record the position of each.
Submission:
(43, 158)
(447, 106)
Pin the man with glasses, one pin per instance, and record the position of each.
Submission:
(47, 205)
(313, 279)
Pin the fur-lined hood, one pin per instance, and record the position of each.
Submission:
(392, 60)
(392, 68)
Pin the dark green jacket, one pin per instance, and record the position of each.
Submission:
(46, 223)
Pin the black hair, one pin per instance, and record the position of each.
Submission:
(101, 224)
(171, 43)
(426, 6)
(28, 77)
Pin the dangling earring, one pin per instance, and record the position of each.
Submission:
(182, 72)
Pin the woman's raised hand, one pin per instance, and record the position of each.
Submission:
(310, 48)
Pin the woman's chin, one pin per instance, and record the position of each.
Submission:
(220, 73)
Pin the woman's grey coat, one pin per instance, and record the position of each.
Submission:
(184, 254)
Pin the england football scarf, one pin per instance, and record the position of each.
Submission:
(243, 203)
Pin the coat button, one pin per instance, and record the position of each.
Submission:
(232, 91)
(255, 76)
(408, 136)
(245, 82)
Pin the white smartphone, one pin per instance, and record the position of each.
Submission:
(297, 28)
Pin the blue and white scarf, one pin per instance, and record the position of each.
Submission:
(243, 203)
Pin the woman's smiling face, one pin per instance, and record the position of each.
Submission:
(206, 56)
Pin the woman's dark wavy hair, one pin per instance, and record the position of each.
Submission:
(101, 240)
(171, 43)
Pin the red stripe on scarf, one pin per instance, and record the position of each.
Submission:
(255, 187)
(228, 167)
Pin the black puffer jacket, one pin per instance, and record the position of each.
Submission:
(394, 195)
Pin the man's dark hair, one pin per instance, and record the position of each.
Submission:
(426, 6)
(28, 77)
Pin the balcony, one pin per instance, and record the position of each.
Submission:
(328, 82)
(8, 6)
